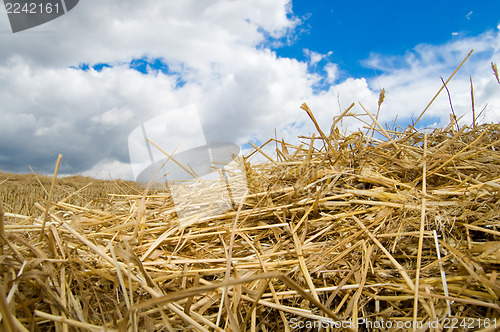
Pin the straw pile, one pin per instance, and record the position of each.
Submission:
(392, 230)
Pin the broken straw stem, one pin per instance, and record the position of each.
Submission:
(51, 192)
(2, 229)
(421, 234)
(441, 89)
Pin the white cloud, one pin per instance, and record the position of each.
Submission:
(332, 71)
(87, 115)
(42, 131)
(110, 169)
(114, 116)
(315, 57)
(416, 79)
(193, 32)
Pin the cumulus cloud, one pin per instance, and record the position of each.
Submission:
(110, 168)
(50, 107)
(332, 71)
(197, 33)
(413, 79)
(216, 58)
(315, 57)
(113, 117)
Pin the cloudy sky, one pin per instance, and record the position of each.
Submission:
(79, 85)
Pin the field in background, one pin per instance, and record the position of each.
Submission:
(19, 192)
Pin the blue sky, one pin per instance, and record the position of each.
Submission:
(352, 30)
(80, 84)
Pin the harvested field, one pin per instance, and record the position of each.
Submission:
(21, 191)
(394, 227)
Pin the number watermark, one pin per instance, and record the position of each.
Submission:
(26, 14)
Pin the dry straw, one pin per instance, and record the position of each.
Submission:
(399, 226)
